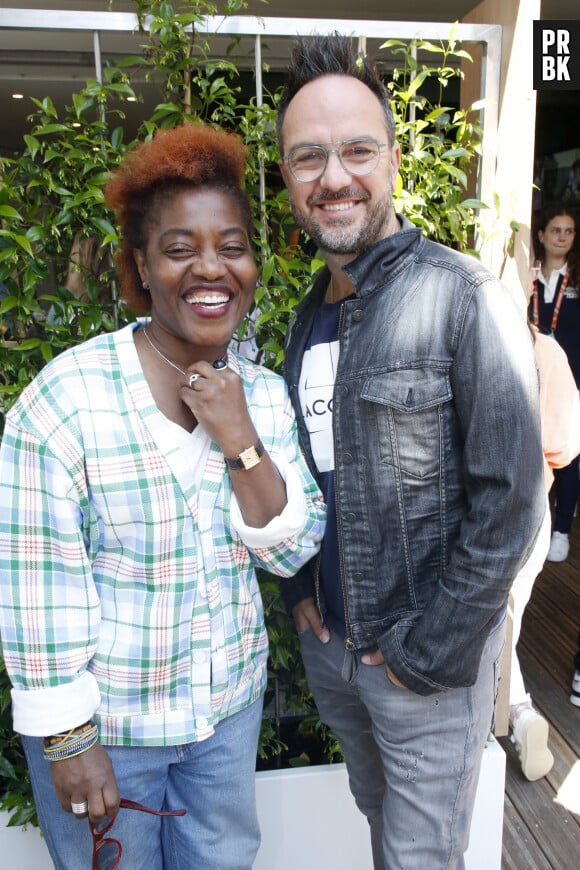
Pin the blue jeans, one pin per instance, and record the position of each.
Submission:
(213, 780)
(413, 761)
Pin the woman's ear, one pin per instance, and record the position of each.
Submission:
(141, 265)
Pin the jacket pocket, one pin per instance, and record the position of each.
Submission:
(409, 407)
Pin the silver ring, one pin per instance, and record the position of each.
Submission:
(192, 379)
(80, 809)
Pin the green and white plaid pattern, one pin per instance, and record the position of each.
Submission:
(115, 567)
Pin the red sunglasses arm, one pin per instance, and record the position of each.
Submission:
(133, 805)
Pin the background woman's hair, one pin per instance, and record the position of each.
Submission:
(154, 171)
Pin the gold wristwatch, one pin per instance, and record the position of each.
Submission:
(248, 458)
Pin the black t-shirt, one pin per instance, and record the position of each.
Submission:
(316, 387)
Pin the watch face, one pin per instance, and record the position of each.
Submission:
(249, 458)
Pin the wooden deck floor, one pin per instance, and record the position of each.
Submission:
(542, 819)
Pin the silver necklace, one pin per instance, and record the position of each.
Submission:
(167, 360)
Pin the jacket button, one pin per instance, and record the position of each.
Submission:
(350, 517)
(347, 458)
(358, 314)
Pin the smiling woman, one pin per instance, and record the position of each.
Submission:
(199, 268)
(155, 469)
(201, 275)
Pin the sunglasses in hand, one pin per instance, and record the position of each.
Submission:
(107, 851)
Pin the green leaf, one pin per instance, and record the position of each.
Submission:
(417, 81)
(46, 351)
(104, 226)
(32, 144)
(51, 128)
(24, 814)
(37, 233)
(131, 60)
(460, 52)
(455, 152)
(474, 203)
(120, 88)
(268, 271)
(117, 138)
(8, 303)
(8, 212)
(24, 244)
(28, 344)
(430, 46)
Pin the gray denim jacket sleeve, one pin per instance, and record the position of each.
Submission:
(495, 391)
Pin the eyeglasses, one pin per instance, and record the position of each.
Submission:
(106, 851)
(357, 157)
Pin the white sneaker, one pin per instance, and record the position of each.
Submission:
(559, 548)
(575, 696)
(530, 735)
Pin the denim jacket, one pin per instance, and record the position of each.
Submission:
(438, 460)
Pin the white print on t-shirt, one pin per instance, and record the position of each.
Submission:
(316, 388)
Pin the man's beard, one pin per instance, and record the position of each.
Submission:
(344, 238)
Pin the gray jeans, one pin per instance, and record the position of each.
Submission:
(413, 761)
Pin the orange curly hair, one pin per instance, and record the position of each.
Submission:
(191, 155)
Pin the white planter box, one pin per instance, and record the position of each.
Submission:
(23, 849)
(309, 821)
(485, 838)
(298, 835)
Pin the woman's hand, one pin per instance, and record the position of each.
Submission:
(87, 777)
(217, 400)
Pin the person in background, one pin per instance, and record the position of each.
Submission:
(560, 421)
(555, 310)
(416, 394)
(144, 476)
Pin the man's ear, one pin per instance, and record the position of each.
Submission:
(395, 159)
(284, 171)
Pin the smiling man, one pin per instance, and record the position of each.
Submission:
(416, 393)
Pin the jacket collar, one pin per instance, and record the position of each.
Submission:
(378, 264)
(384, 260)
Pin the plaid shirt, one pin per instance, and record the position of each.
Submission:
(128, 592)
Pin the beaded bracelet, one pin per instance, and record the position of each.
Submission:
(70, 743)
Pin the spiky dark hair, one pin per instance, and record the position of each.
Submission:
(334, 54)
